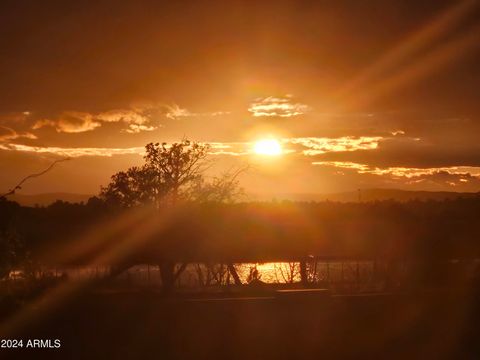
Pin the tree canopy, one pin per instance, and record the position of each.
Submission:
(171, 174)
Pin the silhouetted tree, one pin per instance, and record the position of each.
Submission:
(31, 176)
(171, 174)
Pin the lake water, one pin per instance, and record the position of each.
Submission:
(217, 274)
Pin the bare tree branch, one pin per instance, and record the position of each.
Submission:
(19, 185)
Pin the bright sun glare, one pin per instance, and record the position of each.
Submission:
(268, 147)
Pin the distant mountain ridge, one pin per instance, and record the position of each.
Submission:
(348, 196)
(48, 198)
(370, 195)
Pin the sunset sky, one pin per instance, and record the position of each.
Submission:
(357, 94)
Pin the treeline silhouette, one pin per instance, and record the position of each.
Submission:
(427, 232)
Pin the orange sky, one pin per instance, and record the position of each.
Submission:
(358, 94)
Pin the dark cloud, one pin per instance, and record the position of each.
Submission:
(438, 179)
(92, 56)
(8, 134)
(410, 152)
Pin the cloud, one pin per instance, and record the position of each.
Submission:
(7, 134)
(216, 148)
(322, 145)
(73, 152)
(395, 156)
(277, 106)
(175, 112)
(450, 176)
(136, 128)
(128, 116)
(230, 149)
(136, 119)
(411, 152)
(401, 171)
(307, 146)
(360, 168)
(314, 146)
(70, 122)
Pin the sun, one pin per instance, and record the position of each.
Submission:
(269, 147)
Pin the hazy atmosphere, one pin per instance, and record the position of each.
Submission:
(239, 179)
(346, 95)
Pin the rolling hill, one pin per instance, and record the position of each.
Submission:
(349, 196)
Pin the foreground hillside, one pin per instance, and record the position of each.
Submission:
(139, 325)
